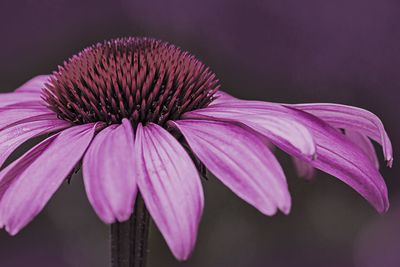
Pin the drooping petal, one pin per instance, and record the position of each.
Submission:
(34, 85)
(32, 180)
(307, 171)
(352, 118)
(304, 169)
(240, 159)
(8, 99)
(14, 114)
(361, 175)
(281, 129)
(221, 97)
(109, 173)
(13, 170)
(28, 92)
(339, 116)
(170, 186)
(336, 154)
(365, 144)
(13, 136)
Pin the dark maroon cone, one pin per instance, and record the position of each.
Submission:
(142, 79)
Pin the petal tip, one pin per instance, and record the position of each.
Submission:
(123, 216)
(268, 211)
(382, 207)
(389, 162)
(286, 208)
(382, 210)
(12, 230)
(182, 257)
(183, 253)
(107, 220)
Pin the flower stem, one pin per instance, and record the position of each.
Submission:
(129, 239)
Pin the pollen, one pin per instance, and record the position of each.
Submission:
(141, 79)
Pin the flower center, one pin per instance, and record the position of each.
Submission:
(142, 79)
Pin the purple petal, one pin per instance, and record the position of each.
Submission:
(13, 114)
(336, 154)
(170, 186)
(365, 144)
(8, 174)
(13, 136)
(240, 159)
(221, 97)
(304, 169)
(28, 92)
(277, 126)
(34, 85)
(356, 119)
(109, 173)
(33, 178)
(8, 99)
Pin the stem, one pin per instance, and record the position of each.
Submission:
(129, 239)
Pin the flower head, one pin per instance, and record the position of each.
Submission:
(139, 79)
(143, 116)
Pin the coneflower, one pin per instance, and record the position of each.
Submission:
(144, 118)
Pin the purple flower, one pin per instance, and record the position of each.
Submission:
(142, 116)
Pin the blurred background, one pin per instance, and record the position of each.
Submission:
(344, 51)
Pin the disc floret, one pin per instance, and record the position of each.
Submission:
(142, 79)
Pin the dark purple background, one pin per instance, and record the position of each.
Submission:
(344, 51)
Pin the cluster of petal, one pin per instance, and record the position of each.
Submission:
(231, 137)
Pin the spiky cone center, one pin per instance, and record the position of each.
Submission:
(141, 79)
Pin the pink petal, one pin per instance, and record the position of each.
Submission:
(365, 144)
(221, 97)
(28, 92)
(304, 169)
(14, 169)
(277, 126)
(339, 157)
(240, 159)
(8, 99)
(14, 136)
(336, 154)
(34, 85)
(352, 118)
(35, 176)
(170, 186)
(13, 114)
(109, 173)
